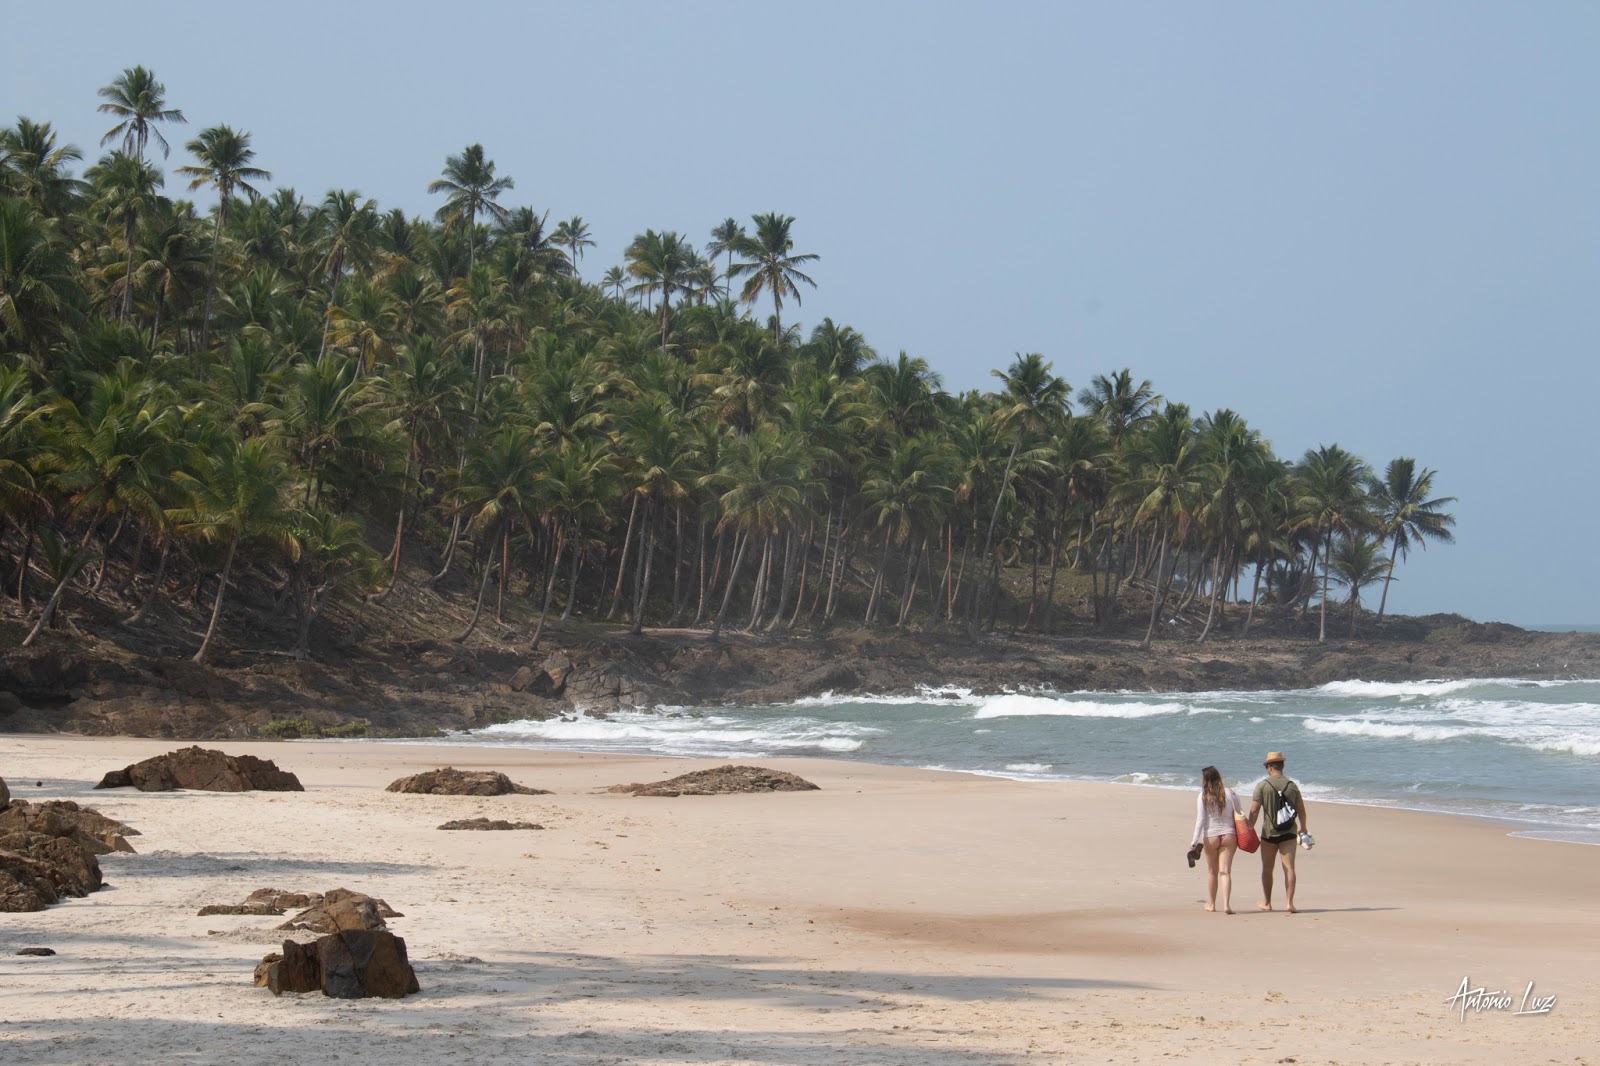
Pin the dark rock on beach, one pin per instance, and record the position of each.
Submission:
(489, 824)
(39, 952)
(721, 780)
(340, 910)
(350, 964)
(449, 781)
(48, 852)
(204, 769)
(5, 795)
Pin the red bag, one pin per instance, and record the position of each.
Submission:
(1248, 841)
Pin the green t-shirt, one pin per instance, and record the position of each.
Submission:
(1290, 791)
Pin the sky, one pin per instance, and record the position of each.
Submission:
(1375, 224)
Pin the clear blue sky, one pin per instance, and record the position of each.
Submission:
(1370, 223)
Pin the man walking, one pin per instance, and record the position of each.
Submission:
(1280, 799)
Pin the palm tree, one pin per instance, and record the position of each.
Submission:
(614, 281)
(35, 167)
(1333, 501)
(37, 284)
(1033, 399)
(1120, 404)
(725, 238)
(499, 486)
(333, 555)
(236, 495)
(1358, 564)
(127, 189)
(1166, 488)
(224, 156)
(772, 267)
(471, 190)
(139, 102)
(573, 235)
(1405, 514)
(661, 262)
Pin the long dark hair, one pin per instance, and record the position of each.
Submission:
(1211, 786)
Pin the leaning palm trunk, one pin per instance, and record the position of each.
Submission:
(1255, 594)
(1387, 577)
(577, 560)
(549, 590)
(216, 607)
(980, 589)
(1322, 620)
(319, 600)
(55, 598)
(646, 566)
(155, 587)
(1159, 593)
(733, 574)
(622, 564)
(483, 592)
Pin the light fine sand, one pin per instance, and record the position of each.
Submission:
(896, 916)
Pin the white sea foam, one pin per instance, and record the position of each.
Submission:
(1017, 705)
(1381, 689)
(945, 694)
(1571, 744)
(1346, 727)
(1029, 767)
(683, 734)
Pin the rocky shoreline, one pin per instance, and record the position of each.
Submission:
(418, 688)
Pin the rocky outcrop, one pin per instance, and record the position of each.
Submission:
(350, 964)
(48, 852)
(205, 769)
(489, 824)
(721, 780)
(341, 910)
(5, 795)
(85, 826)
(448, 781)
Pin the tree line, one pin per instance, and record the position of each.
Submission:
(190, 400)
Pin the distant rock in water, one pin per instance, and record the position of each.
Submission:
(48, 852)
(721, 780)
(350, 964)
(488, 823)
(204, 769)
(449, 781)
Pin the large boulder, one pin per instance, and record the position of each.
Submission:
(85, 826)
(5, 795)
(264, 901)
(205, 769)
(350, 964)
(448, 781)
(721, 780)
(37, 869)
(342, 910)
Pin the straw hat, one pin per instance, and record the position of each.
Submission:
(1273, 756)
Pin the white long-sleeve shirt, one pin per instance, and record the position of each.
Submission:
(1209, 822)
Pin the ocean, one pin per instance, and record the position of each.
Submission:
(1525, 753)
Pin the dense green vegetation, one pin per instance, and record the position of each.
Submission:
(192, 400)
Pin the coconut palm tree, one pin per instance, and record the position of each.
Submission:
(333, 556)
(1333, 501)
(38, 290)
(471, 189)
(224, 156)
(1165, 489)
(1119, 404)
(498, 487)
(1405, 515)
(1358, 563)
(139, 103)
(614, 281)
(573, 235)
(35, 167)
(725, 238)
(1033, 399)
(771, 265)
(236, 495)
(126, 189)
(661, 262)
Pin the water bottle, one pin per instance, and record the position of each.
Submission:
(1307, 841)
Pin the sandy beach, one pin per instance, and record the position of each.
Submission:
(896, 916)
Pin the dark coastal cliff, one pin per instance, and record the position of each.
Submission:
(421, 686)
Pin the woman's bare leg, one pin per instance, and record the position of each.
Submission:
(1212, 850)
(1225, 874)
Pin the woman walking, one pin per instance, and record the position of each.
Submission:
(1213, 825)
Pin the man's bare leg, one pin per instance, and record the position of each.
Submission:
(1286, 852)
(1269, 852)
